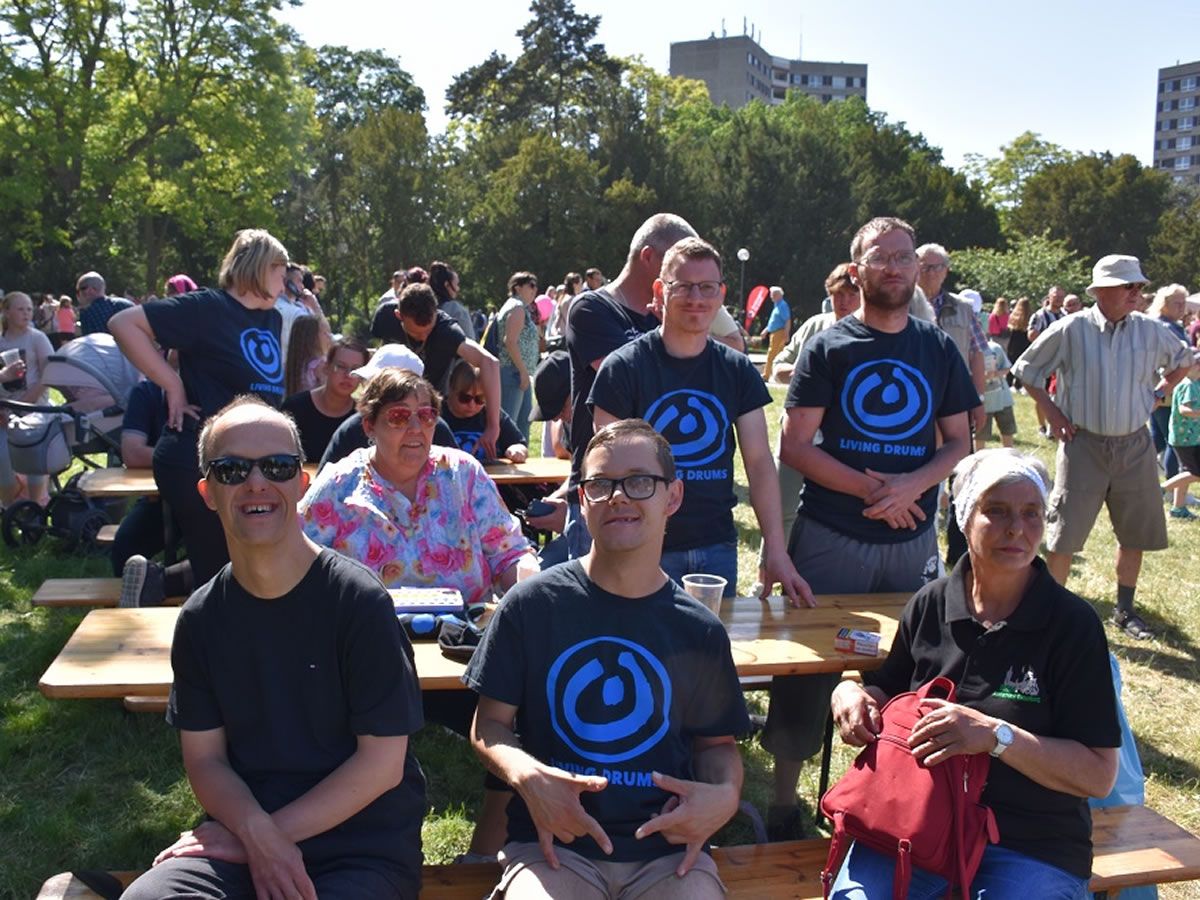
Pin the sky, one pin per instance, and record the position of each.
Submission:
(969, 76)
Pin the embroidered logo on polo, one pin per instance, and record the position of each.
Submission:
(609, 698)
(261, 350)
(1021, 686)
(696, 426)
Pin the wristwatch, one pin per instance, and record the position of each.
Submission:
(1004, 738)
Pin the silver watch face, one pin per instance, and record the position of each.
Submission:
(1004, 737)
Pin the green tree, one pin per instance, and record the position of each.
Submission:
(555, 84)
(1173, 256)
(1004, 176)
(1026, 269)
(1098, 204)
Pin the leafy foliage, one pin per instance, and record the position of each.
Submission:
(1026, 269)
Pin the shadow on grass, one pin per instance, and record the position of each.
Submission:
(1166, 767)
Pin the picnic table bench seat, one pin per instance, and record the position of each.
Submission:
(78, 592)
(1133, 846)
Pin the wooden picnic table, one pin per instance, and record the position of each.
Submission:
(118, 653)
(121, 482)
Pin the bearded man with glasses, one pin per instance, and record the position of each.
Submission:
(697, 393)
(294, 696)
(1108, 360)
(879, 387)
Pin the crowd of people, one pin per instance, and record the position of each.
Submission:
(605, 702)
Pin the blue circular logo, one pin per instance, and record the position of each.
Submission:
(610, 699)
(887, 399)
(694, 424)
(261, 350)
(468, 442)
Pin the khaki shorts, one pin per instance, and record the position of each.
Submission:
(615, 880)
(1120, 472)
(1005, 421)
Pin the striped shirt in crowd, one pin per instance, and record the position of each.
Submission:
(1107, 372)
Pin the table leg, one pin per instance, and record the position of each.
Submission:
(826, 755)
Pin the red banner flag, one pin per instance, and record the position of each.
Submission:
(754, 302)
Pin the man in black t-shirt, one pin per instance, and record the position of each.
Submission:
(697, 393)
(626, 702)
(319, 412)
(879, 386)
(438, 341)
(294, 696)
(606, 319)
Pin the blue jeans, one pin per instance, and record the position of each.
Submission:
(579, 539)
(1003, 875)
(514, 400)
(715, 559)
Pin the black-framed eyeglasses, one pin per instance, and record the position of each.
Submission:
(635, 487)
(466, 398)
(277, 467)
(707, 290)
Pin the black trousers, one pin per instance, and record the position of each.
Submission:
(176, 471)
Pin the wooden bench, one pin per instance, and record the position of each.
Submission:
(56, 592)
(1133, 846)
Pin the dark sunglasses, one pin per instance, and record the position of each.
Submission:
(467, 397)
(398, 416)
(236, 469)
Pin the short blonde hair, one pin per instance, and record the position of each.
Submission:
(248, 261)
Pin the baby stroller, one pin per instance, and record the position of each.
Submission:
(94, 376)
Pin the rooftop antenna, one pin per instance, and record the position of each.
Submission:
(722, 28)
(743, 26)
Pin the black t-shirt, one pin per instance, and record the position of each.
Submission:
(1045, 670)
(145, 411)
(316, 428)
(596, 326)
(883, 395)
(294, 681)
(612, 686)
(438, 351)
(694, 403)
(467, 431)
(350, 437)
(224, 348)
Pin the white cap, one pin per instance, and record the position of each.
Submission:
(391, 356)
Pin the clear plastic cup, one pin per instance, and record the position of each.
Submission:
(708, 589)
(10, 356)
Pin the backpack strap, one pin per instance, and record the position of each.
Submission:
(837, 852)
(903, 876)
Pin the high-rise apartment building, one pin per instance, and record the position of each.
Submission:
(737, 70)
(1177, 122)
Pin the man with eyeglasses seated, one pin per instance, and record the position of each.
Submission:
(319, 412)
(608, 699)
(1108, 360)
(880, 385)
(697, 394)
(294, 696)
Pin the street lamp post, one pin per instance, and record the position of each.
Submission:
(743, 254)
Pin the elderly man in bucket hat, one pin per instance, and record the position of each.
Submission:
(1108, 358)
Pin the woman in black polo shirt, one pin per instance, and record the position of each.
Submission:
(228, 344)
(1030, 662)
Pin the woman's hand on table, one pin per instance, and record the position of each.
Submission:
(856, 714)
(517, 453)
(951, 729)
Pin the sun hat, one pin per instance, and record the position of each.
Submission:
(391, 356)
(1115, 270)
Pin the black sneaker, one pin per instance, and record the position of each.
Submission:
(1132, 624)
(785, 823)
(141, 583)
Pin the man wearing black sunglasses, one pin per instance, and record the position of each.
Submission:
(294, 696)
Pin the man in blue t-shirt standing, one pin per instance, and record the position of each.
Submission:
(779, 327)
(609, 700)
(879, 386)
(698, 393)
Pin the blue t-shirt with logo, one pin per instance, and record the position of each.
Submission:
(694, 403)
(224, 348)
(612, 686)
(882, 394)
(469, 429)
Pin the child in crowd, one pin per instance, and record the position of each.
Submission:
(1183, 435)
(305, 358)
(997, 398)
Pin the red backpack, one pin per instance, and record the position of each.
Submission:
(930, 818)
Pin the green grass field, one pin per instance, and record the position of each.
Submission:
(87, 785)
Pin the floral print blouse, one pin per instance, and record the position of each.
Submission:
(458, 533)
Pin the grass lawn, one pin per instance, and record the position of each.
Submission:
(87, 785)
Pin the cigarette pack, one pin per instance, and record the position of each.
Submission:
(850, 640)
